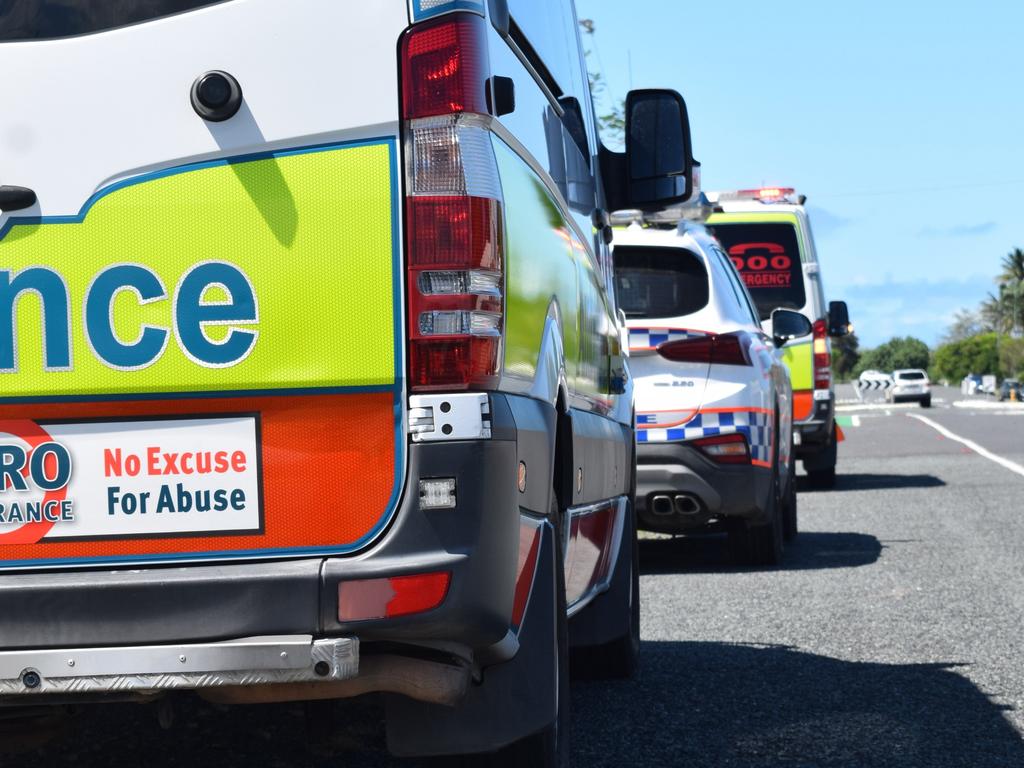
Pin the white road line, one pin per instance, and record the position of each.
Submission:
(1010, 465)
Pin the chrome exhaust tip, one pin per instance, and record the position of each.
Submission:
(661, 505)
(684, 504)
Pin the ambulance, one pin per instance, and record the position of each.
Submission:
(311, 382)
(767, 234)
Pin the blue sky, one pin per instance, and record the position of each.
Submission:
(902, 121)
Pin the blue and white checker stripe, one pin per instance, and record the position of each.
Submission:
(755, 425)
(649, 338)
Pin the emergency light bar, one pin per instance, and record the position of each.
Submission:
(764, 195)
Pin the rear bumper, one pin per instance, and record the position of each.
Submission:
(679, 469)
(477, 542)
(813, 435)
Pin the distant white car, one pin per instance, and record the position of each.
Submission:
(910, 384)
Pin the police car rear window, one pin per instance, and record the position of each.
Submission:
(659, 282)
(48, 19)
(768, 259)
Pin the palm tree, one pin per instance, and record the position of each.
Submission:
(1008, 308)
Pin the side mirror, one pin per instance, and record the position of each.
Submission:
(788, 325)
(657, 169)
(659, 155)
(838, 319)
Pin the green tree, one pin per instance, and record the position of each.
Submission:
(898, 352)
(965, 324)
(612, 121)
(1004, 309)
(845, 355)
(976, 354)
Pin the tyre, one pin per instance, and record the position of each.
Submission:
(548, 748)
(789, 514)
(926, 401)
(760, 544)
(821, 469)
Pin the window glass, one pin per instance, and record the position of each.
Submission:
(742, 296)
(659, 282)
(47, 19)
(768, 259)
(912, 376)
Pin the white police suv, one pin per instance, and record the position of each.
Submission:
(714, 411)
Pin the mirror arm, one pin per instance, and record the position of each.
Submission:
(613, 178)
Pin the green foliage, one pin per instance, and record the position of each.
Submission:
(898, 352)
(1011, 357)
(845, 355)
(976, 354)
(612, 121)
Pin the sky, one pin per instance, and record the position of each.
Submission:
(902, 122)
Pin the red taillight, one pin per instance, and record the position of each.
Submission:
(725, 449)
(454, 219)
(386, 598)
(444, 67)
(722, 349)
(822, 356)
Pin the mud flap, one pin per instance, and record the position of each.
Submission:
(604, 620)
(513, 700)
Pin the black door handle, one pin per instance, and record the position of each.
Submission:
(16, 198)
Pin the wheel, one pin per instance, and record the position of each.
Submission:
(789, 514)
(821, 469)
(548, 748)
(926, 401)
(761, 545)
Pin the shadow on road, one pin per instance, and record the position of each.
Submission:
(716, 704)
(873, 482)
(810, 551)
(691, 704)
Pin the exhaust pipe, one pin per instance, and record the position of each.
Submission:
(685, 504)
(661, 505)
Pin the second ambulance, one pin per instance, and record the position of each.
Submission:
(767, 234)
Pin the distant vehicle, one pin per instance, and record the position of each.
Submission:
(970, 384)
(1010, 390)
(714, 409)
(910, 384)
(767, 234)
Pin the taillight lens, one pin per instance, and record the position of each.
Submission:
(822, 356)
(721, 349)
(444, 67)
(454, 219)
(725, 449)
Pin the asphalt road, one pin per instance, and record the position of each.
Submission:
(891, 636)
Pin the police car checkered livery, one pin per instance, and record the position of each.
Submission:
(755, 425)
(713, 399)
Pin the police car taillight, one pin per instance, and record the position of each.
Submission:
(453, 216)
(822, 356)
(725, 449)
(721, 349)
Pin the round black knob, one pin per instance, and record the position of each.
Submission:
(216, 96)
